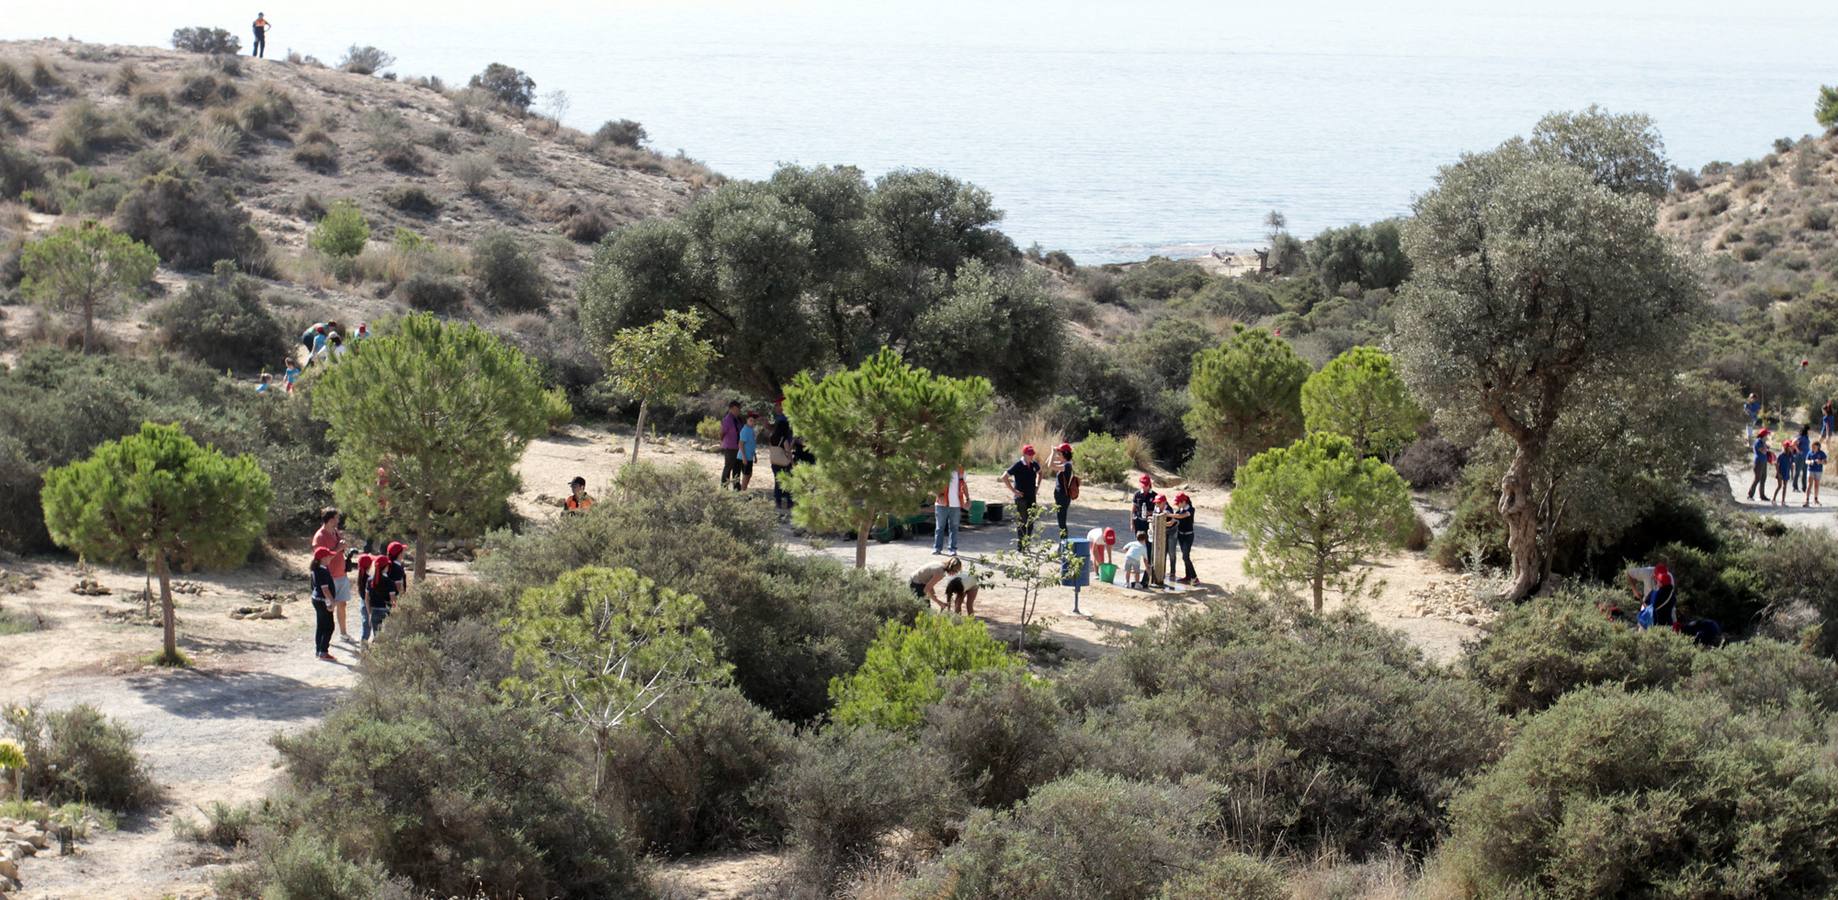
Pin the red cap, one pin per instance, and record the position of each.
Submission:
(364, 561)
(1145, 480)
(1110, 535)
(394, 549)
(1027, 449)
(1763, 433)
(320, 553)
(1661, 574)
(1180, 498)
(1161, 499)
(1064, 448)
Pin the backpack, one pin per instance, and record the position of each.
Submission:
(1072, 488)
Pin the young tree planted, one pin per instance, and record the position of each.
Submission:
(86, 270)
(1247, 395)
(160, 498)
(444, 410)
(1360, 396)
(656, 362)
(1541, 283)
(601, 647)
(885, 435)
(1310, 511)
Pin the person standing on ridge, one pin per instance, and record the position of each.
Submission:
(261, 35)
(1023, 482)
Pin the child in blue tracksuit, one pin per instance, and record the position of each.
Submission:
(1783, 471)
(1815, 466)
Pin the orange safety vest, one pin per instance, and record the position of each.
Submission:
(573, 505)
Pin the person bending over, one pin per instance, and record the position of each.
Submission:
(925, 582)
(960, 592)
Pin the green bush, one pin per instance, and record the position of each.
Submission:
(223, 322)
(84, 131)
(20, 171)
(299, 865)
(848, 788)
(1654, 794)
(1541, 649)
(317, 156)
(192, 225)
(1091, 836)
(1102, 459)
(900, 676)
(619, 133)
(79, 755)
(411, 199)
(507, 85)
(788, 623)
(225, 825)
(1233, 875)
(1002, 732)
(508, 278)
(342, 232)
(555, 409)
(708, 428)
(1765, 674)
(433, 292)
(1799, 567)
(205, 39)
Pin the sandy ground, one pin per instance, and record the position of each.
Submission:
(206, 732)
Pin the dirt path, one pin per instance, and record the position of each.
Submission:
(1741, 475)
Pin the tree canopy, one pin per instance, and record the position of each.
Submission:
(443, 410)
(1359, 396)
(652, 363)
(1310, 511)
(1247, 395)
(886, 434)
(160, 498)
(86, 270)
(1540, 282)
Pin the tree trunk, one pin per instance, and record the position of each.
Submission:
(638, 434)
(1520, 512)
(1317, 586)
(861, 545)
(421, 559)
(169, 621)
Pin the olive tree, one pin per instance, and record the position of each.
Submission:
(86, 270)
(1310, 511)
(443, 410)
(885, 435)
(601, 647)
(159, 497)
(655, 362)
(1360, 396)
(1540, 283)
(1247, 395)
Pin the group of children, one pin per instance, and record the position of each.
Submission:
(1799, 463)
(380, 579)
(1146, 508)
(322, 341)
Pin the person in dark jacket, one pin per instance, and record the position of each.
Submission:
(1023, 482)
(387, 581)
(324, 593)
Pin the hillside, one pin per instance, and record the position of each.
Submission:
(82, 124)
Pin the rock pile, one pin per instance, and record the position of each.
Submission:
(18, 840)
(1454, 599)
(88, 586)
(261, 611)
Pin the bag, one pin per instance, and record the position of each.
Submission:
(779, 456)
(1072, 488)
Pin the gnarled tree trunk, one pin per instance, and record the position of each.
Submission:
(1519, 508)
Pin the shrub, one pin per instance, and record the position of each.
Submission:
(435, 293)
(319, 156)
(1430, 462)
(192, 225)
(79, 755)
(365, 60)
(506, 275)
(1647, 795)
(1003, 733)
(411, 199)
(15, 84)
(619, 133)
(900, 676)
(510, 87)
(20, 171)
(472, 170)
(1764, 674)
(555, 409)
(1798, 567)
(269, 112)
(709, 429)
(205, 39)
(788, 624)
(205, 88)
(343, 231)
(1819, 219)
(587, 226)
(224, 323)
(1103, 459)
(1091, 836)
(1546, 647)
(224, 825)
(1233, 875)
(393, 139)
(83, 130)
(848, 788)
(692, 781)
(301, 864)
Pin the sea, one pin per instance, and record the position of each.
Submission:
(1110, 130)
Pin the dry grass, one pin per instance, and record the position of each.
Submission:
(1000, 441)
(1390, 876)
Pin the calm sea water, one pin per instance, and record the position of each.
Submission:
(1110, 130)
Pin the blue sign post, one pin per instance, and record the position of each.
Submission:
(1076, 572)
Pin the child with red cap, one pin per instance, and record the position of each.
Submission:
(324, 594)
(387, 581)
(1102, 540)
(1023, 482)
(364, 562)
(1142, 504)
(1181, 516)
(1064, 485)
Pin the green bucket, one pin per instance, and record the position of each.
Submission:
(1107, 573)
(978, 509)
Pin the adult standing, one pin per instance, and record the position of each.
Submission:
(322, 594)
(1760, 483)
(749, 449)
(778, 454)
(781, 426)
(1825, 421)
(1064, 485)
(948, 512)
(730, 446)
(331, 538)
(1801, 444)
(261, 35)
(1023, 482)
(387, 582)
(1753, 409)
(1142, 505)
(1183, 515)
